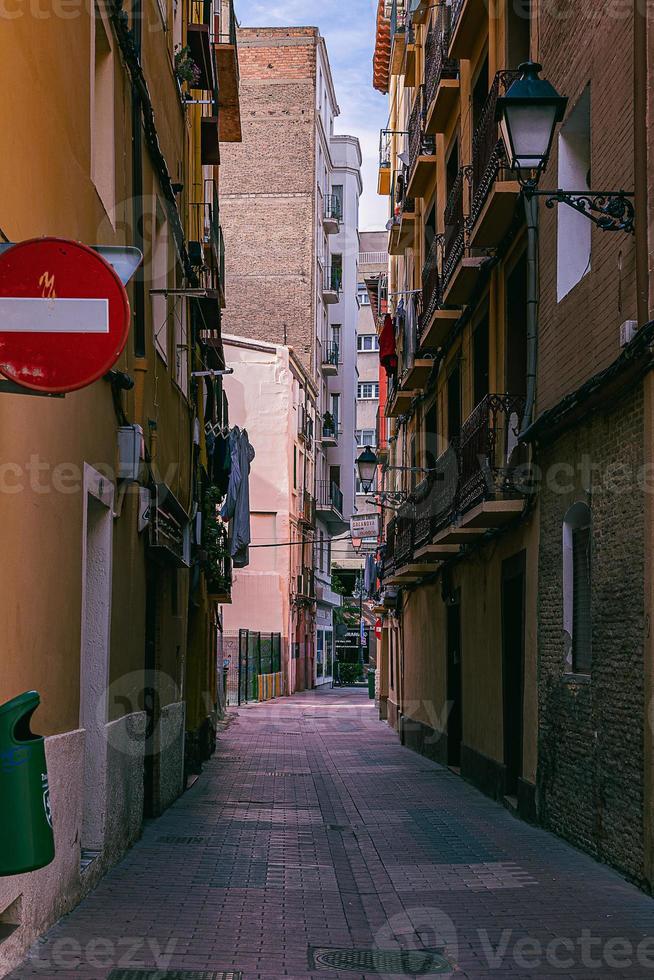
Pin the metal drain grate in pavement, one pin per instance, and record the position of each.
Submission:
(407, 962)
(174, 975)
(182, 840)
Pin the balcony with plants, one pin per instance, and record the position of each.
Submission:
(495, 189)
(422, 150)
(330, 431)
(206, 247)
(398, 35)
(215, 560)
(442, 82)
(332, 282)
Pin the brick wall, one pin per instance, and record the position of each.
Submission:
(579, 336)
(591, 733)
(267, 191)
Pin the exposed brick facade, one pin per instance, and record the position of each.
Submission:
(580, 335)
(268, 191)
(591, 729)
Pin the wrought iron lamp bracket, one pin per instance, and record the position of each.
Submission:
(609, 210)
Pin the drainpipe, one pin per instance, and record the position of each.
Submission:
(531, 215)
(640, 160)
(137, 190)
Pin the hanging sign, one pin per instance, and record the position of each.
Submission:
(64, 315)
(364, 526)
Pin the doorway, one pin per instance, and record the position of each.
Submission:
(513, 652)
(94, 655)
(454, 684)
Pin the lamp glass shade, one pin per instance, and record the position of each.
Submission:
(528, 132)
(367, 466)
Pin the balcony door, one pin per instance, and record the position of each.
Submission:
(454, 404)
(516, 328)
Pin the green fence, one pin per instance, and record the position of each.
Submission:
(260, 654)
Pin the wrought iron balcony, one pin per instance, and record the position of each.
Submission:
(436, 497)
(308, 511)
(207, 245)
(330, 496)
(455, 226)
(330, 359)
(405, 534)
(390, 562)
(488, 153)
(422, 148)
(432, 293)
(332, 283)
(438, 65)
(489, 452)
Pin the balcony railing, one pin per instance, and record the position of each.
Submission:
(306, 583)
(206, 242)
(381, 429)
(436, 497)
(330, 428)
(390, 562)
(437, 63)
(432, 293)
(226, 33)
(330, 496)
(199, 37)
(419, 143)
(333, 279)
(308, 508)
(489, 449)
(488, 154)
(455, 226)
(455, 12)
(330, 354)
(482, 463)
(398, 17)
(332, 208)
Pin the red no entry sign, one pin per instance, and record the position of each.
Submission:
(64, 315)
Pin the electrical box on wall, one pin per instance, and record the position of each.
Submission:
(131, 452)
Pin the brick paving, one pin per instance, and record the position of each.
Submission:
(313, 827)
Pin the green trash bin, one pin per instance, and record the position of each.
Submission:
(26, 837)
(371, 684)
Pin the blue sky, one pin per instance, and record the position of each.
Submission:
(348, 27)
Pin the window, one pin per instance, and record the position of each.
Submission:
(574, 230)
(181, 345)
(366, 437)
(367, 342)
(368, 390)
(336, 410)
(360, 488)
(577, 553)
(362, 293)
(337, 193)
(160, 280)
(103, 150)
(481, 359)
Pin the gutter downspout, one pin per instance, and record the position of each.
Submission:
(531, 215)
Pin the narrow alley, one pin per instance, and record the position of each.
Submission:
(313, 831)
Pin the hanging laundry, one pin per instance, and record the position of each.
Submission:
(236, 508)
(387, 346)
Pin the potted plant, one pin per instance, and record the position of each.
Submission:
(186, 69)
(215, 547)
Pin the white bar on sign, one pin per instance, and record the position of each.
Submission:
(24, 314)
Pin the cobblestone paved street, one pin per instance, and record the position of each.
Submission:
(313, 828)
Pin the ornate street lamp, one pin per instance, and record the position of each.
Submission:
(367, 465)
(528, 116)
